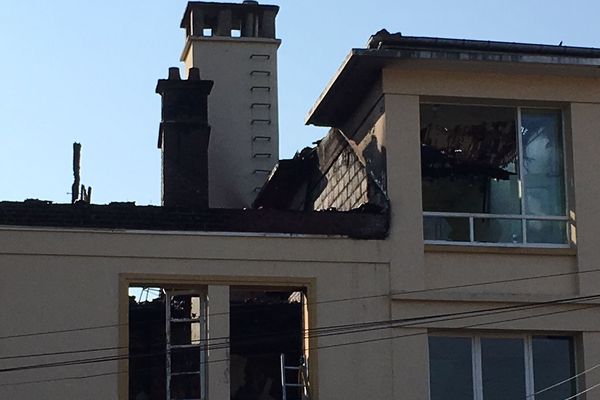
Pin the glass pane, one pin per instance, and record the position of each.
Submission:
(183, 333)
(450, 368)
(185, 306)
(503, 369)
(553, 362)
(495, 230)
(446, 228)
(185, 360)
(554, 232)
(185, 387)
(543, 167)
(469, 158)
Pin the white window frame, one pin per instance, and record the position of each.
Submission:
(522, 217)
(476, 362)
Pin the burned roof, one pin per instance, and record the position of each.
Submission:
(359, 224)
(362, 67)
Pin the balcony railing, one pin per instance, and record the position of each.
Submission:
(507, 230)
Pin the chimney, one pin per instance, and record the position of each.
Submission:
(235, 45)
(183, 139)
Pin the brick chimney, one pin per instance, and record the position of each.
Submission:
(183, 139)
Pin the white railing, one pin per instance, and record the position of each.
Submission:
(522, 242)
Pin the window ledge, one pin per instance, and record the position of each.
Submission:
(453, 248)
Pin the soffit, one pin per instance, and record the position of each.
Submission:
(363, 67)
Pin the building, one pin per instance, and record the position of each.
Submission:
(439, 243)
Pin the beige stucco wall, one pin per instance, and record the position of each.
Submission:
(416, 267)
(56, 280)
(61, 279)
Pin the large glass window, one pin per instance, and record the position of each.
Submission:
(450, 368)
(490, 368)
(493, 174)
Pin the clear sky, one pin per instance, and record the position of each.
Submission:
(78, 70)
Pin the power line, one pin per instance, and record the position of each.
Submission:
(123, 357)
(350, 328)
(402, 293)
(564, 381)
(68, 378)
(391, 324)
(61, 353)
(457, 328)
(583, 392)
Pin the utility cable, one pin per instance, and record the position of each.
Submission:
(402, 293)
(316, 348)
(563, 381)
(226, 345)
(583, 392)
(349, 328)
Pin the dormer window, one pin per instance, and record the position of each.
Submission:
(493, 175)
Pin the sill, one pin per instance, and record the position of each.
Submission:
(464, 248)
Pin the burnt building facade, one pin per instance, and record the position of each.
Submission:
(439, 242)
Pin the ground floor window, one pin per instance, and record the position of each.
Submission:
(486, 367)
(170, 342)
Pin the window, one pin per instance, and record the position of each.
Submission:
(167, 344)
(499, 368)
(172, 353)
(493, 175)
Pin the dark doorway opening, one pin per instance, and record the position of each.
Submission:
(264, 324)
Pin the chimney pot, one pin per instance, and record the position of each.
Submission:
(194, 74)
(174, 74)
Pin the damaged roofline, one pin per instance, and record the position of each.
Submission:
(360, 68)
(356, 224)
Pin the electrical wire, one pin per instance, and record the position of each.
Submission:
(226, 345)
(563, 381)
(583, 392)
(316, 348)
(350, 328)
(402, 293)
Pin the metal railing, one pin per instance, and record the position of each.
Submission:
(516, 240)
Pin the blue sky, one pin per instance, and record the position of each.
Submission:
(76, 70)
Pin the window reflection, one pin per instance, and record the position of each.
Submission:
(469, 158)
(543, 162)
(495, 368)
(503, 369)
(450, 370)
(553, 358)
(474, 162)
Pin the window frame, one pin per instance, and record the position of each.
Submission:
(477, 364)
(522, 217)
(200, 345)
(196, 283)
